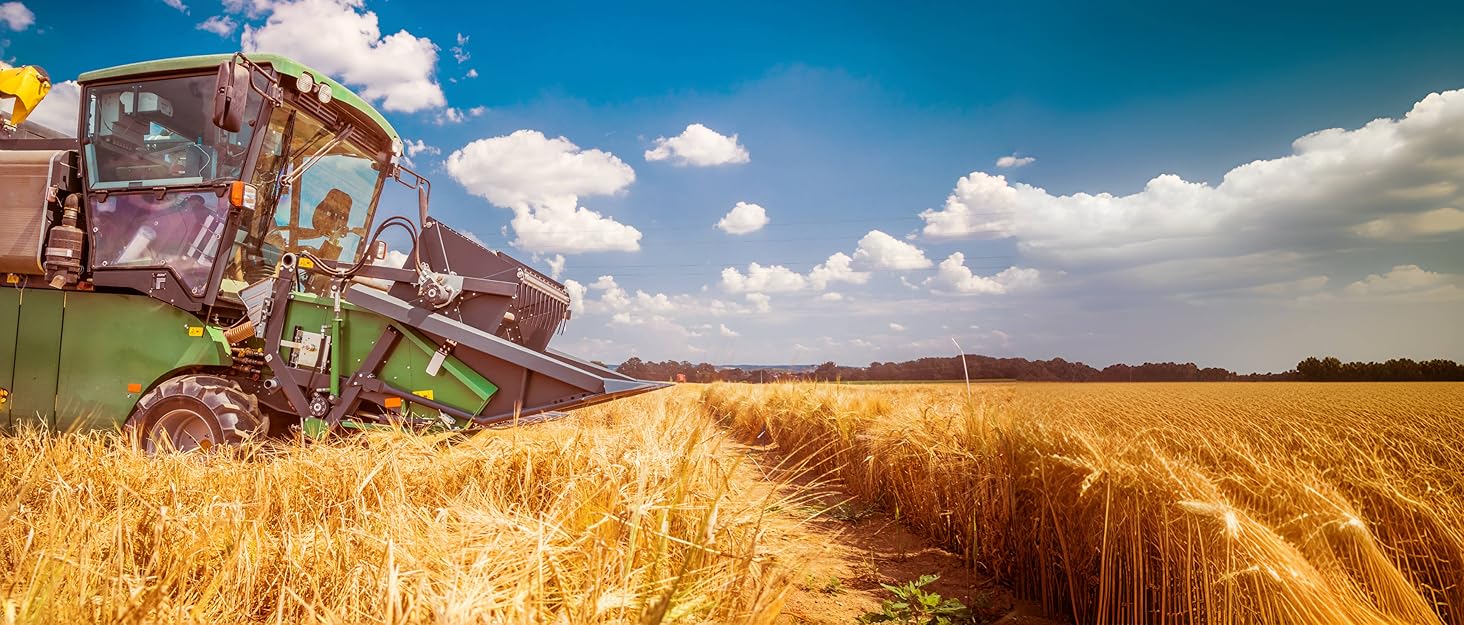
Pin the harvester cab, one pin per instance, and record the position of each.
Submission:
(203, 264)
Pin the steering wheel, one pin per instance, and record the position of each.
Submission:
(281, 237)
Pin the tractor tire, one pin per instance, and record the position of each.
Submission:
(195, 412)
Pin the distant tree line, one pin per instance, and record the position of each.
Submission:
(1055, 370)
(1330, 369)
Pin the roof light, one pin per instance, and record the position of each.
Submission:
(323, 93)
(305, 83)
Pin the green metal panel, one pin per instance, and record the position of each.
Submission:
(9, 316)
(37, 355)
(456, 385)
(113, 341)
(282, 64)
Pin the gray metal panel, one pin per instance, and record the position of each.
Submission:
(473, 338)
(25, 176)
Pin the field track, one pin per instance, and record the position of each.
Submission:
(1158, 503)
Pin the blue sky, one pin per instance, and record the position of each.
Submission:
(541, 125)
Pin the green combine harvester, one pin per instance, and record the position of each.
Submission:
(201, 265)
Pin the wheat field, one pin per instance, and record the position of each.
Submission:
(1158, 503)
(1210, 503)
(626, 513)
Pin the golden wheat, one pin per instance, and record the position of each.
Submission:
(620, 514)
(1159, 503)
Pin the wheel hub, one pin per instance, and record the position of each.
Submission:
(183, 429)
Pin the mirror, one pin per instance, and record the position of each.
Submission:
(378, 251)
(231, 91)
(422, 203)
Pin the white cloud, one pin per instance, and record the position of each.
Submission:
(832, 296)
(656, 303)
(576, 296)
(1406, 280)
(556, 266)
(178, 5)
(760, 302)
(744, 218)
(563, 227)
(454, 115)
(395, 258)
(341, 38)
(1313, 198)
(251, 8)
(1008, 162)
(882, 251)
(221, 25)
(472, 73)
(61, 108)
(415, 147)
(763, 279)
(954, 274)
(460, 51)
(896, 327)
(727, 332)
(699, 146)
(838, 268)
(1439, 221)
(541, 180)
(16, 16)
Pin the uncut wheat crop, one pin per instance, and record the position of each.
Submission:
(1211, 503)
(622, 513)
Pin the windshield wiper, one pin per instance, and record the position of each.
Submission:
(339, 138)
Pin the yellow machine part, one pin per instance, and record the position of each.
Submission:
(28, 85)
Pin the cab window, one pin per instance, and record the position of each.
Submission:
(160, 132)
(179, 230)
(316, 195)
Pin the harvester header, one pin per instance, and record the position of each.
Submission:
(203, 264)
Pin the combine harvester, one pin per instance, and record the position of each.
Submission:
(198, 264)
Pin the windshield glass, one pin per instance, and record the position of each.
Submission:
(160, 132)
(316, 195)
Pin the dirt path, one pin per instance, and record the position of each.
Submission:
(843, 549)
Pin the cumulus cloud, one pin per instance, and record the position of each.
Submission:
(61, 108)
(177, 5)
(896, 327)
(878, 250)
(1013, 161)
(577, 293)
(556, 266)
(221, 25)
(16, 16)
(541, 180)
(1387, 179)
(699, 146)
(763, 279)
(760, 302)
(250, 8)
(341, 38)
(838, 268)
(728, 332)
(415, 147)
(454, 115)
(1409, 281)
(1439, 221)
(953, 274)
(744, 218)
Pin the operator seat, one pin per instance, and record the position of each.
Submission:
(328, 222)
